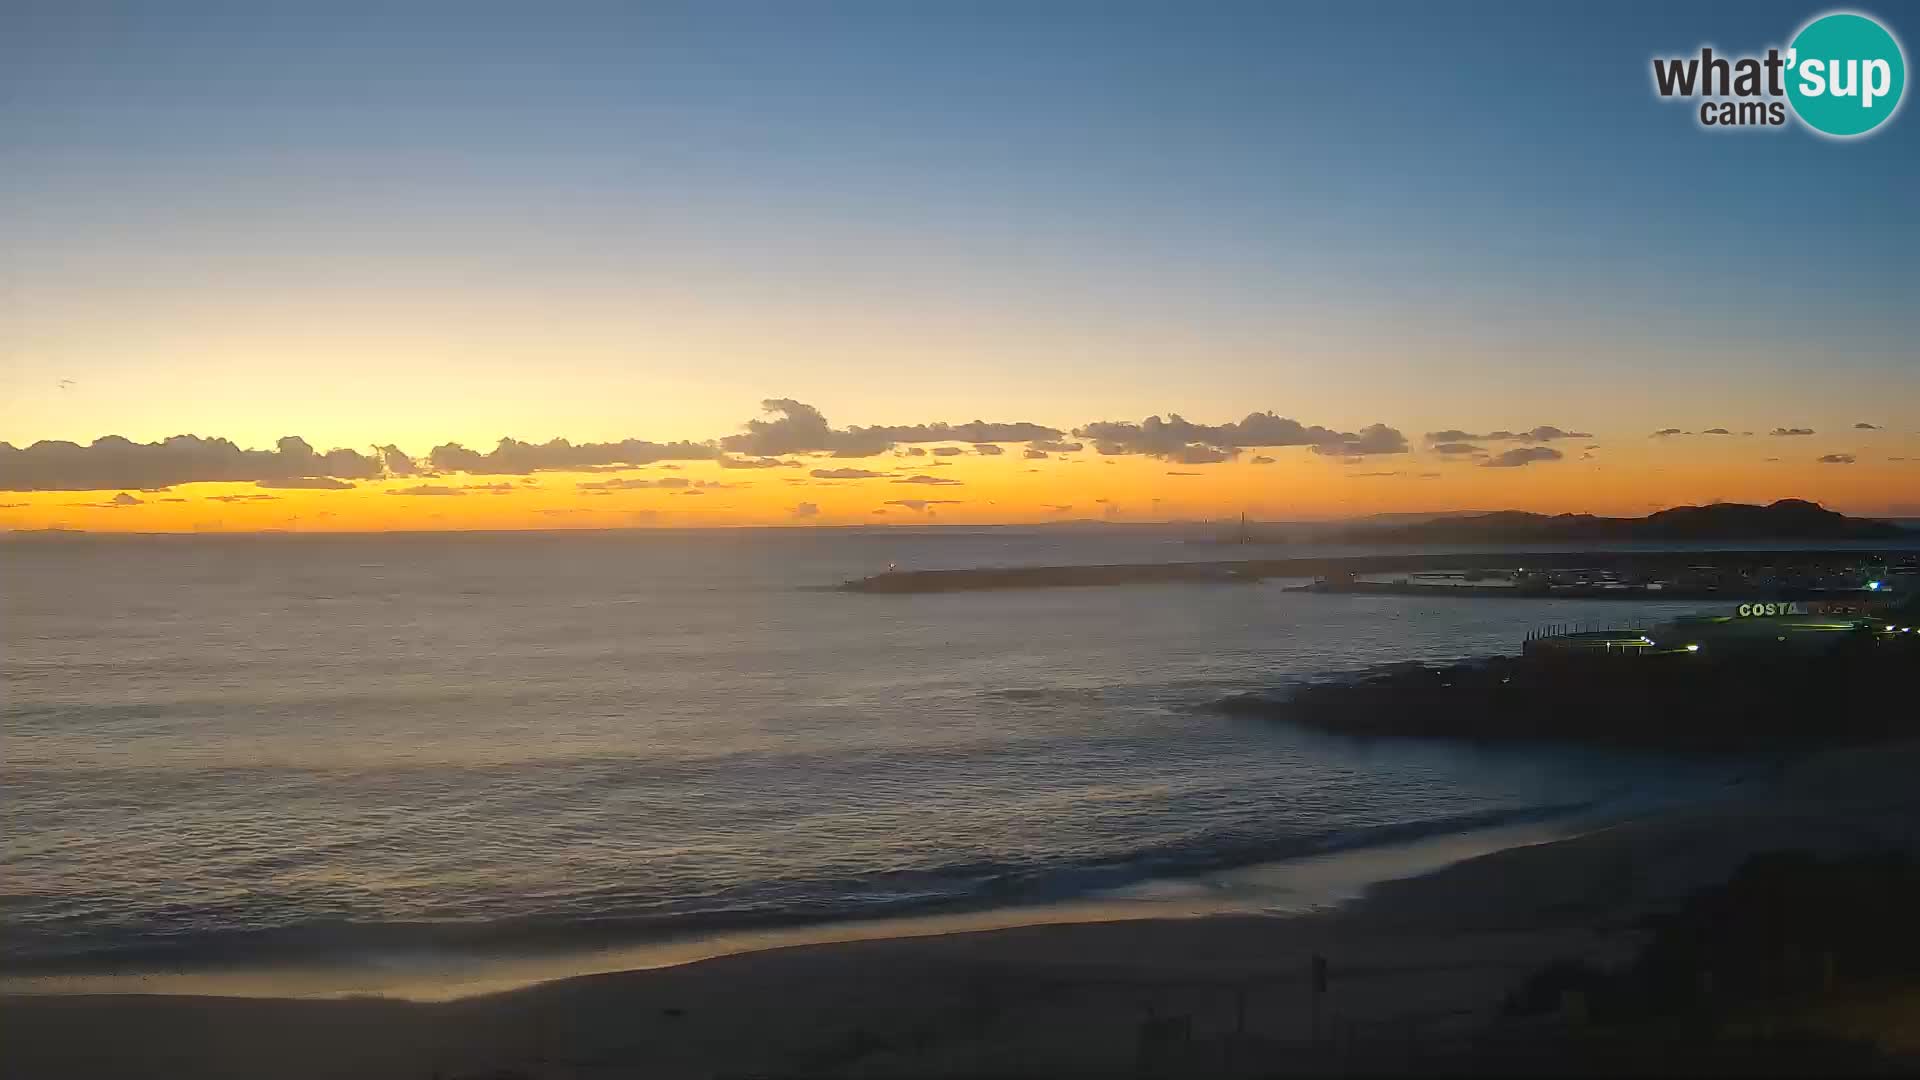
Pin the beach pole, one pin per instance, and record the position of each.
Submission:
(1239, 1027)
(1318, 980)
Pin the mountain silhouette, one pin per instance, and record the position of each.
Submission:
(1788, 519)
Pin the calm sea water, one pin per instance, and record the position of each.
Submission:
(229, 748)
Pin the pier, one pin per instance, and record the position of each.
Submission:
(1642, 575)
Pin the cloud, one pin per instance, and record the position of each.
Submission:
(1543, 433)
(1791, 431)
(1366, 474)
(921, 504)
(923, 478)
(1198, 454)
(791, 428)
(427, 489)
(794, 427)
(1372, 439)
(800, 428)
(1522, 455)
(314, 483)
(1185, 474)
(394, 461)
(1666, 432)
(1835, 459)
(1059, 508)
(113, 462)
(1864, 426)
(806, 510)
(516, 458)
(1458, 448)
(1716, 431)
(243, 498)
(634, 483)
(1179, 439)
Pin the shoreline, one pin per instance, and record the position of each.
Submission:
(1064, 998)
(1289, 887)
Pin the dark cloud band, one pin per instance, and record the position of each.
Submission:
(1545, 433)
(114, 462)
(1180, 440)
(791, 428)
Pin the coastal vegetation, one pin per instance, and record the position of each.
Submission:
(1784, 968)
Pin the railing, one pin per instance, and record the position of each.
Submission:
(1564, 629)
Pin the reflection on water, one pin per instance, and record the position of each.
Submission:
(270, 750)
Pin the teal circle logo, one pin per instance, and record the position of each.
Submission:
(1845, 74)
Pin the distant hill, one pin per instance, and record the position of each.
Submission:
(1414, 518)
(1788, 519)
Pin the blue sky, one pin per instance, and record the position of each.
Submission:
(1330, 209)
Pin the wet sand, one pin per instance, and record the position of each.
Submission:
(1413, 964)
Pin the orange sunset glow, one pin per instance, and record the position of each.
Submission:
(995, 483)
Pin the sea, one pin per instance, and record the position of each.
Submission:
(414, 759)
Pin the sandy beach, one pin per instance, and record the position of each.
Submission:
(1412, 965)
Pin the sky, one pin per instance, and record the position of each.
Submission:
(418, 226)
